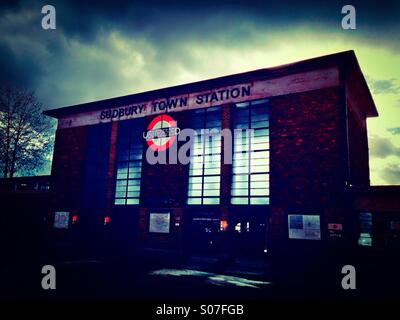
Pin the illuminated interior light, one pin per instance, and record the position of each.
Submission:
(223, 226)
(238, 227)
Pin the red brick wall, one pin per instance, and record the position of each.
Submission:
(307, 171)
(164, 184)
(305, 141)
(358, 150)
(67, 168)
(111, 165)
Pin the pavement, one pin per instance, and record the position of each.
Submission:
(159, 275)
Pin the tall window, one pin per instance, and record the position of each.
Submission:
(129, 162)
(250, 169)
(205, 165)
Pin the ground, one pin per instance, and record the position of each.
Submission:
(151, 276)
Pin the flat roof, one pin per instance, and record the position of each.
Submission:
(374, 189)
(346, 61)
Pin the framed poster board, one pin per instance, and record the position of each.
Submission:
(305, 227)
(61, 220)
(159, 222)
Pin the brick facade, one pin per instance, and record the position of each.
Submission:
(318, 147)
(67, 168)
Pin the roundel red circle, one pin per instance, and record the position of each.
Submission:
(161, 122)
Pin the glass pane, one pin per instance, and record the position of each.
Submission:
(216, 124)
(240, 170)
(241, 125)
(194, 193)
(212, 158)
(256, 116)
(120, 189)
(259, 154)
(259, 200)
(212, 193)
(259, 192)
(212, 165)
(195, 172)
(261, 132)
(259, 184)
(135, 169)
(133, 194)
(260, 177)
(211, 179)
(197, 159)
(136, 156)
(208, 186)
(260, 139)
(120, 194)
(260, 146)
(122, 173)
(212, 171)
(194, 201)
(241, 155)
(134, 175)
(195, 186)
(195, 180)
(212, 151)
(236, 185)
(121, 183)
(242, 105)
(119, 201)
(240, 162)
(240, 192)
(259, 162)
(210, 200)
(264, 168)
(237, 178)
(134, 182)
(196, 165)
(240, 200)
(132, 201)
(259, 124)
(133, 188)
(242, 149)
(259, 101)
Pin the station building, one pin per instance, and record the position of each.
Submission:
(296, 183)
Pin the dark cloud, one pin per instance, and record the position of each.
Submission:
(96, 44)
(391, 174)
(382, 147)
(384, 86)
(394, 131)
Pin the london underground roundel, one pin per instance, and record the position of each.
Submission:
(161, 132)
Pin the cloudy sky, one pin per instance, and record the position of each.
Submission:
(104, 50)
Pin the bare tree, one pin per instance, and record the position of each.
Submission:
(25, 134)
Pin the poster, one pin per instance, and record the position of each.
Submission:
(335, 230)
(159, 222)
(61, 220)
(304, 227)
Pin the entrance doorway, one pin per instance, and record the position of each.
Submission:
(201, 232)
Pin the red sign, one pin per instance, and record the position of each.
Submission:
(335, 226)
(161, 132)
